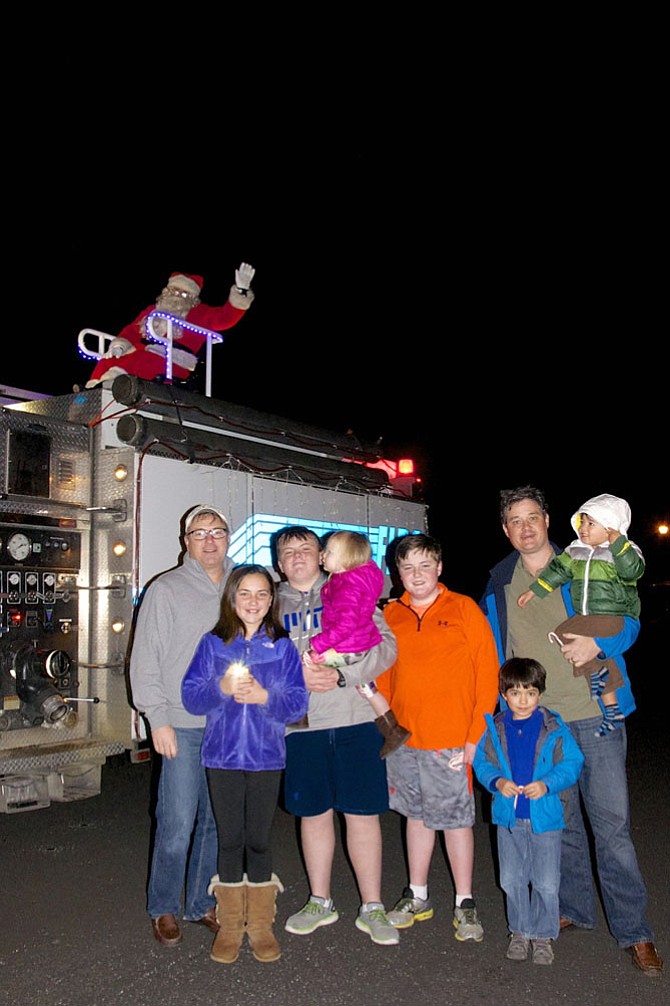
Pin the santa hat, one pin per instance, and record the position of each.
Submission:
(193, 284)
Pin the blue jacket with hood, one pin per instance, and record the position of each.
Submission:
(558, 763)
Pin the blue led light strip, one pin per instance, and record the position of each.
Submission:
(251, 541)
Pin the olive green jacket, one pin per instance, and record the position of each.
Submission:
(604, 579)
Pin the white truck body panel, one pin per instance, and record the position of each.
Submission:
(77, 546)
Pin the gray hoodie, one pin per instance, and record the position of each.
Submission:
(177, 609)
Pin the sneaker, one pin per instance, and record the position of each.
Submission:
(466, 922)
(315, 913)
(543, 952)
(409, 910)
(518, 948)
(375, 923)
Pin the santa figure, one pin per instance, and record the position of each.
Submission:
(134, 352)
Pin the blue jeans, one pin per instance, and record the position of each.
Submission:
(604, 788)
(182, 805)
(530, 872)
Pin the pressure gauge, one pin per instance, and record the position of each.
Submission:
(19, 546)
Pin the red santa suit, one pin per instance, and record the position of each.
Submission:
(133, 351)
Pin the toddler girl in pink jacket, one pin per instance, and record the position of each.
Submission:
(349, 599)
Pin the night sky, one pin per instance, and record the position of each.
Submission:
(484, 300)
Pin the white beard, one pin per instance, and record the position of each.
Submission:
(171, 304)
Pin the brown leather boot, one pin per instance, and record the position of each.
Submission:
(395, 734)
(261, 911)
(230, 914)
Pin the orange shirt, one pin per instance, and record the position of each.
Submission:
(446, 674)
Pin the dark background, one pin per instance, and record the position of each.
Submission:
(459, 229)
(460, 258)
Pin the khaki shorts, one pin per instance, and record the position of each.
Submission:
(431, 786)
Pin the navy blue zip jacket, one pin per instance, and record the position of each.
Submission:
(495, 608)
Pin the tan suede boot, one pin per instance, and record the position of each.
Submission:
(390, 729)
(261, 911)
(230, 914)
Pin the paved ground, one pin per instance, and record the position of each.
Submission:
(74, 929)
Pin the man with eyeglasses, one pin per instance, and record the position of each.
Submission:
(177, 609)
(133, 352)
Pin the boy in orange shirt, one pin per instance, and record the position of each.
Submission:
(444, 680)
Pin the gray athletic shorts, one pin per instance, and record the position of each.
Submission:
(431, 786)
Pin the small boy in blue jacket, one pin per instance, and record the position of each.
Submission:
(525, 758)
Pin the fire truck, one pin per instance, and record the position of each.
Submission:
(93, 487)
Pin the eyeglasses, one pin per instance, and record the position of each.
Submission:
(179, 293)
(201, 533)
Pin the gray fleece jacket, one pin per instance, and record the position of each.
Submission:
(176, 610)
(300, 613)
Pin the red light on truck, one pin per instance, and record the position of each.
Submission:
(405, 467)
